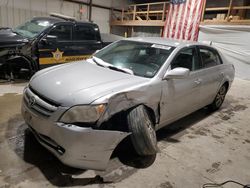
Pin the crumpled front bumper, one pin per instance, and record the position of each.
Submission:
(75, 146)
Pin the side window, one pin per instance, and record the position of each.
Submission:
(186, 58)
(209, 57)
(83, 32)
(62, 32)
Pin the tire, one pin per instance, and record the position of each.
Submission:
(219, 98)
(143, 133)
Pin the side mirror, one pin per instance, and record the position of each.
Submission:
(177, 73)
(49, 39)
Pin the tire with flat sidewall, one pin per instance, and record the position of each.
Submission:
(143, 133)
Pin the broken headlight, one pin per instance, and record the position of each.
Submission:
(83, 114)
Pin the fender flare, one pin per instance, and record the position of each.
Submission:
(33, 65)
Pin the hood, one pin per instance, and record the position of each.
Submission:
(9, 38)
(81, 83)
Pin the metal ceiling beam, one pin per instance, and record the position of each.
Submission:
(90, 10)
(93, 5)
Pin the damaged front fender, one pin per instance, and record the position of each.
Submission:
(148, 96)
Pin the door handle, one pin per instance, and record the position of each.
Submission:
(198, 81)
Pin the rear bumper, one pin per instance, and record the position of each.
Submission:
(75, 146)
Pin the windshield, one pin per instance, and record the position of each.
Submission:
(143, 59)
(32, 28)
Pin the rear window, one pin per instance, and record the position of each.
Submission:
(83, 32)
(209, 57)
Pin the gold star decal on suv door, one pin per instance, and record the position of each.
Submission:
(57, 55)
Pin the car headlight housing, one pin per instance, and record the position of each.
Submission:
(83, 114)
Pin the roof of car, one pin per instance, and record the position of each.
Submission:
(56, 20)
(163, 41)
(50, 19)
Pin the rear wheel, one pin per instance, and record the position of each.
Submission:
(219, 98)
(143, 133)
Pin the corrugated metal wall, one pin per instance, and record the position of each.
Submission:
(15, 12)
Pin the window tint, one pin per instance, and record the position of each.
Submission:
(209, 57)
(187, 59)
(83, 32)
(62, 32)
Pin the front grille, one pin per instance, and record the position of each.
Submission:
(38, 104)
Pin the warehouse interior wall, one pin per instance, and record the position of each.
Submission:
(146, 32)
(233, 42)
(15, 12)
(102, 16)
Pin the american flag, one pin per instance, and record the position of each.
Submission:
(183, 19)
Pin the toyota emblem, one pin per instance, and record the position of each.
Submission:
(32, 101)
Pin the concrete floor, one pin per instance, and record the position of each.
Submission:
(198, 149)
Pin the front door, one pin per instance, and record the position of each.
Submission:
(56, 46)
(181, 96)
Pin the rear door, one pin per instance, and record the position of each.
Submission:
(87, 40)
(212, 73)
(56, 46)
(182, 96)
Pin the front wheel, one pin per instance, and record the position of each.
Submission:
(143, 133)
(219, 98)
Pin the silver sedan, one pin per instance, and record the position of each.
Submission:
(81, 111)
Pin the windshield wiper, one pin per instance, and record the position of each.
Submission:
(15, 32)
(97, 61)
(121, 69)
(102, 63)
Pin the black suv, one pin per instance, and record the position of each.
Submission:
(45, 41)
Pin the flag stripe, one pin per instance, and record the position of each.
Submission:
(175, 20)
(183, 22)
(170, 20)
(189, 20)
(196, 32)
(192, 21)
(180, 17)
(183, 19)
